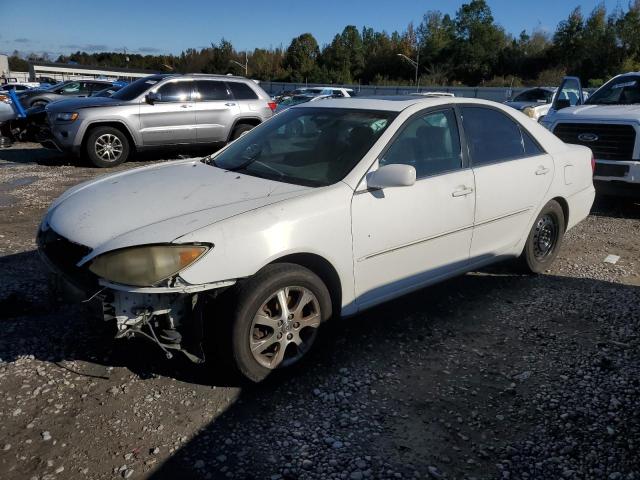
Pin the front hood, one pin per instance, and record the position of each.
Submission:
(158, 204)
(78, 103)
(600, 112)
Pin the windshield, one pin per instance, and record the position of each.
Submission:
(534, 95)
(306, 146)
(137, 88)
(620, 91)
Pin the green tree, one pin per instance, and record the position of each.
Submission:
(302, 57)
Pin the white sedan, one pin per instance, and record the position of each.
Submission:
(323, 211)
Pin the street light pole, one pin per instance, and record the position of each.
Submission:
(246, 64)
(415, 63)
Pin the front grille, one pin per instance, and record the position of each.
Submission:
(614, 142)
(65, 255)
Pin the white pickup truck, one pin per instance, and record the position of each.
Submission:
(608, 122)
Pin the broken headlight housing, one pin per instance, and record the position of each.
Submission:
(146, 266)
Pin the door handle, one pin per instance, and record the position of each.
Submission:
(462, 192)
(230, 104)
(185, 106)
(542, 170)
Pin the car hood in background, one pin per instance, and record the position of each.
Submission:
(158, 204)
(599, 112)
(523, 105)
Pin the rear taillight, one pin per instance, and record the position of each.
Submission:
(593, 163)
(272, 106)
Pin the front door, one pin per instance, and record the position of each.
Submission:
(171, 119)
(512, 175)
(405, 237)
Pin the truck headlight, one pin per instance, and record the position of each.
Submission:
(66, 116)
(147, 265)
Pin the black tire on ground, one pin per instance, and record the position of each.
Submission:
(249, 298)
(545, 238)
(107, 147)
(239, 130)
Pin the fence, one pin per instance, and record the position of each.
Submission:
(497, 94)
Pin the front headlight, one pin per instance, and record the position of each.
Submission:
(66, 116)
(145, 266)
(529, 112)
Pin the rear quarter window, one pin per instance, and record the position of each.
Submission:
(242, 91)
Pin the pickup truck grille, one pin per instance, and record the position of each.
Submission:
(614, 142)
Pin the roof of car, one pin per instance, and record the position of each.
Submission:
(202, 75)
(395, 103)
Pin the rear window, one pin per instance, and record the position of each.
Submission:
(242, 91)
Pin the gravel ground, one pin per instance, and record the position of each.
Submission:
(489, 375)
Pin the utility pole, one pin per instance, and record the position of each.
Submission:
(415, 63)
(246, 64)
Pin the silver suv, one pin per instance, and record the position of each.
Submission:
(157, 111)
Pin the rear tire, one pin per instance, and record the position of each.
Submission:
(263, 336)
(107, 147)
(545, 238)
(240, 130)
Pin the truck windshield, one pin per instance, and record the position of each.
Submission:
(305, 145)
(137, 88)
(619, 91)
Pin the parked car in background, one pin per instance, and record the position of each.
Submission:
(157, 111)
(534, 102)
(288, 102)
(71, 88)
(107, 92)
(326, 210)
(608, 122)
(18, 87)
(336, 92)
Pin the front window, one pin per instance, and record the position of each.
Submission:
(306, 146)
(137, 88)
(620, 91)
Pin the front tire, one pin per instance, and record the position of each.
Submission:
(276, 318)
(545, 238)
(107, 147)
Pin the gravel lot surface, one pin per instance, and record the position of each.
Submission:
(489, 375)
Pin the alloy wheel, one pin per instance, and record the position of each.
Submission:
(284, 327)
(108, 147)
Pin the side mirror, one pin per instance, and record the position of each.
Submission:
(562, 103)
(153, 97)
(394, 175)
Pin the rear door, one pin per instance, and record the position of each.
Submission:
(512, 176)
(215, 110)
(171, 119)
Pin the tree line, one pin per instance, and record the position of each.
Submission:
(468, 48)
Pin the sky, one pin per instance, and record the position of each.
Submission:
(170, 26)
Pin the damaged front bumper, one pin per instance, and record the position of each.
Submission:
(170, 316)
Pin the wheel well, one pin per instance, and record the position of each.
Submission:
(565, 210)
(244, 121)
(116, 125)
(321, 267)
